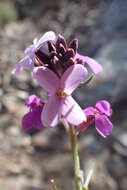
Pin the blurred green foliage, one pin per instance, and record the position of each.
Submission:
(7, 12)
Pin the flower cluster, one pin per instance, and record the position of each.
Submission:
(60, 69)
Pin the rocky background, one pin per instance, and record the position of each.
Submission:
(29, 161)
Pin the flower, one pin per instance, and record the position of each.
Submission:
(99, 115)
(60, 103)
(32, 119)
(28, 61)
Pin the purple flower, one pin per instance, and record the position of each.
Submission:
(28, 61)
(60, 103)
(95, 67)
(32, 120)
(99, 115)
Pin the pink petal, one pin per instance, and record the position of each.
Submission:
(72, 111)
(25, 63)
(95, 67)
(103, 125)
(89, 111)
(46, 79)
(29, 49)
(51, 111)
(48, 36)
(32, 119)
(72, 77)
(104, 107)
(33, 101)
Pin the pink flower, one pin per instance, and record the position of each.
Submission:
(99, 115)
(32, 119)
(28, 61)
(95, 67)
(60, 102)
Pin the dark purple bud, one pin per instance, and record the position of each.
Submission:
(55, 60)
(51, 47)
(52, 54)
(74, 45)
(69, 54)
(62, 49)
(56, 66)
(69, 63)
(60, 40)
(79, 61)
(43, 57)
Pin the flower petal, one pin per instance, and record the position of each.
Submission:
(104, 107)
(103, 125)
(48, 36)
(72, 77)
(29, 49)
(33, 102)
(46, 79)
(95, 67)
(51, 112)
(72, 111)
(89, 111)
(25, 63)
(32, 120)
(28, 61)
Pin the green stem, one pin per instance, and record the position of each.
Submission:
(76, 161)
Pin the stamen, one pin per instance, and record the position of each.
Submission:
(61, 94)
(37, 62)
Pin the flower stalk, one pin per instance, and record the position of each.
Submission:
(76, 161)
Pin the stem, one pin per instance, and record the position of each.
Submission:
(76, 161)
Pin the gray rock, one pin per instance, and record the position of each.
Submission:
(105, 40)
(115, 17)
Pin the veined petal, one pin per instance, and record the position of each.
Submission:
(48, 36)
(72, 111)
(46, 79)
(103, 125)
(104, 107)
(25, 63)
(51, 112)
(72, 77)
(95, 67)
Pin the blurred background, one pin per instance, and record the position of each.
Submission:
(29, 161)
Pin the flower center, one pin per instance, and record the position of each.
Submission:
(61, 94)
(96, 112)
(38, 105)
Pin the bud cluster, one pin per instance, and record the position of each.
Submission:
(59, 57)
